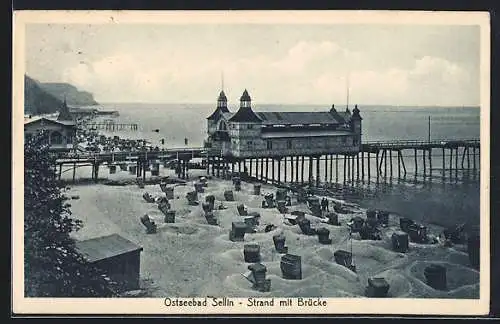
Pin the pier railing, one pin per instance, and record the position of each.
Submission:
(419, 143)
(196, 152)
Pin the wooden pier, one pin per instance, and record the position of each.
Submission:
(112, 126)
(386, 159)
(380, 161)
(139, 160)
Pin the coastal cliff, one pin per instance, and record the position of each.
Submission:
(74, 97)
(43, 98)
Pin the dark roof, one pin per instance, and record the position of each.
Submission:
(218, 112)
(245, 115)
(222, 96)
(64, 113)
(245, 96)
(105, 247)
(291, 118)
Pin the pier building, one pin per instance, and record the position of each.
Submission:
(251, 134)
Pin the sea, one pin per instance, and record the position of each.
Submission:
(445, 198)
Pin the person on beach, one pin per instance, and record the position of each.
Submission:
(324, 204)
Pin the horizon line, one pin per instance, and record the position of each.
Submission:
(343, 105)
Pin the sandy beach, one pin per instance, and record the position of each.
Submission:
(191, 258)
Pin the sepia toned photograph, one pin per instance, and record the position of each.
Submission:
(251, 162)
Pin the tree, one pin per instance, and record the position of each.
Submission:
(52, 265)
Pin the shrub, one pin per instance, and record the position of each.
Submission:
(52, 265)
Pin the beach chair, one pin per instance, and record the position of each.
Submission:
(400, 241)
(343, 258)
(192, 198)
(198, 187)
(281, 206)
(251, 222)
(323, 236)
(211, 200)
(268, 201)
(314, 206)
(242, 210)
(369, 232)
(333, 218)
(291, 266)
(206, 207)
(211, 220)
(169, 216)
(251, 253)
(279, 243)
(377, 287)
(305, 226)
(417, 233)
(228, 195)
(404, 223)
(257, 276)
(356, 224)
(435, 276)
(149, 224)
(237, 233)
(164, 205)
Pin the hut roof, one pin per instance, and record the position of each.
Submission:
(105, 247)
(28, 121)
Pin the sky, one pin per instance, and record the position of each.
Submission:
(282, 64)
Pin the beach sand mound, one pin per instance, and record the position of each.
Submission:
(192, 258)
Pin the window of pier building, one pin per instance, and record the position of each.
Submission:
(344, 139)
(269, 145)
(289, 144)
(355, 141)
(250, 145)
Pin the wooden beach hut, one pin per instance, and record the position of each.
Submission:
(117, 256)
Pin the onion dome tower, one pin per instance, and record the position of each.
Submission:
(356, 122)
(245, 114)
(221, 106)
(355, 113)
(222, 102)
